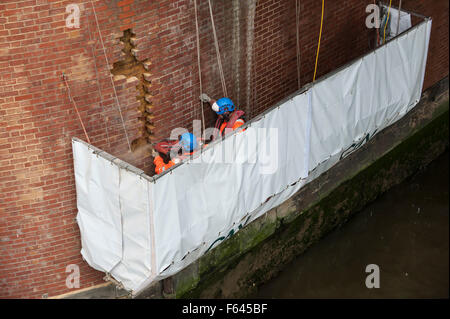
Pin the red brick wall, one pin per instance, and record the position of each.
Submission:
(38, 233)
(344, 37)
(437, 62)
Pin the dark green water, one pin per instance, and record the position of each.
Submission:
(405, 232)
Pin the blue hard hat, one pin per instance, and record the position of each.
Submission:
(225, 105)
(188, 142)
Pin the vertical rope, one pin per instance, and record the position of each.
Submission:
(76, 108)
(297, 24)
(198, 62)
(250, 54)
(398, 20)
(253, 81)
(387, 20)
(307, 146)
(98, 86)
(216, 44)
(110, 76)
(377, 29)
(320, 36)
(150, 214)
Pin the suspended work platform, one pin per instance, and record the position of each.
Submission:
(139, 229)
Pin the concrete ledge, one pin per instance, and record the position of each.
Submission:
(106, 290)
(110, 290)
(258, 251)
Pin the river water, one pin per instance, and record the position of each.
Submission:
(405, 232)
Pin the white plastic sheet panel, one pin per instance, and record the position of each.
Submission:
(405, 22)
(135, 204)
(99, 218)
(113, 216)
(155, 230)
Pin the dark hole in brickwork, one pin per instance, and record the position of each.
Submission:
(130, 66)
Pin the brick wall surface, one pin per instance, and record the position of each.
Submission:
(344, 37)
(437, 62)
(154, 70)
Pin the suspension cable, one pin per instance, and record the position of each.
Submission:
(387, 20)
(320, 36)
(377, 29)
(76, 108)
(297, 24)
(98, 85)
(216, 43)
(398, 20)
(110, 76)
(198, 62)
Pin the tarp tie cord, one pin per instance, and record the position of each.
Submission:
(76, 108)
(297, 24)
(307, 146)
(398, 20)
(152, 233)
(216, 44)
(111, 76)
(198, 62)
(320, 36)
(387, 20)
(253, 81)
(98, 85)
(377, 29)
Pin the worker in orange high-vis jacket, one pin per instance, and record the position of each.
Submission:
(162, 159)
(228, 117)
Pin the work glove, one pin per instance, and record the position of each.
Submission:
(205, 98)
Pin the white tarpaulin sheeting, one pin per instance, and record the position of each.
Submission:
(140, 231)
(405, 22)
(114, 211)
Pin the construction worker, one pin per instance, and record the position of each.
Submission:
(189, 144)
(228, 118)
(162, 159)
(179, 150)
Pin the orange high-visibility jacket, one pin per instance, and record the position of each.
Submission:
(235, 126)
(234, 123)
(160, 166)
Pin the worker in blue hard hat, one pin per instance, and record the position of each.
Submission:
(228, 117)
(189, 145)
